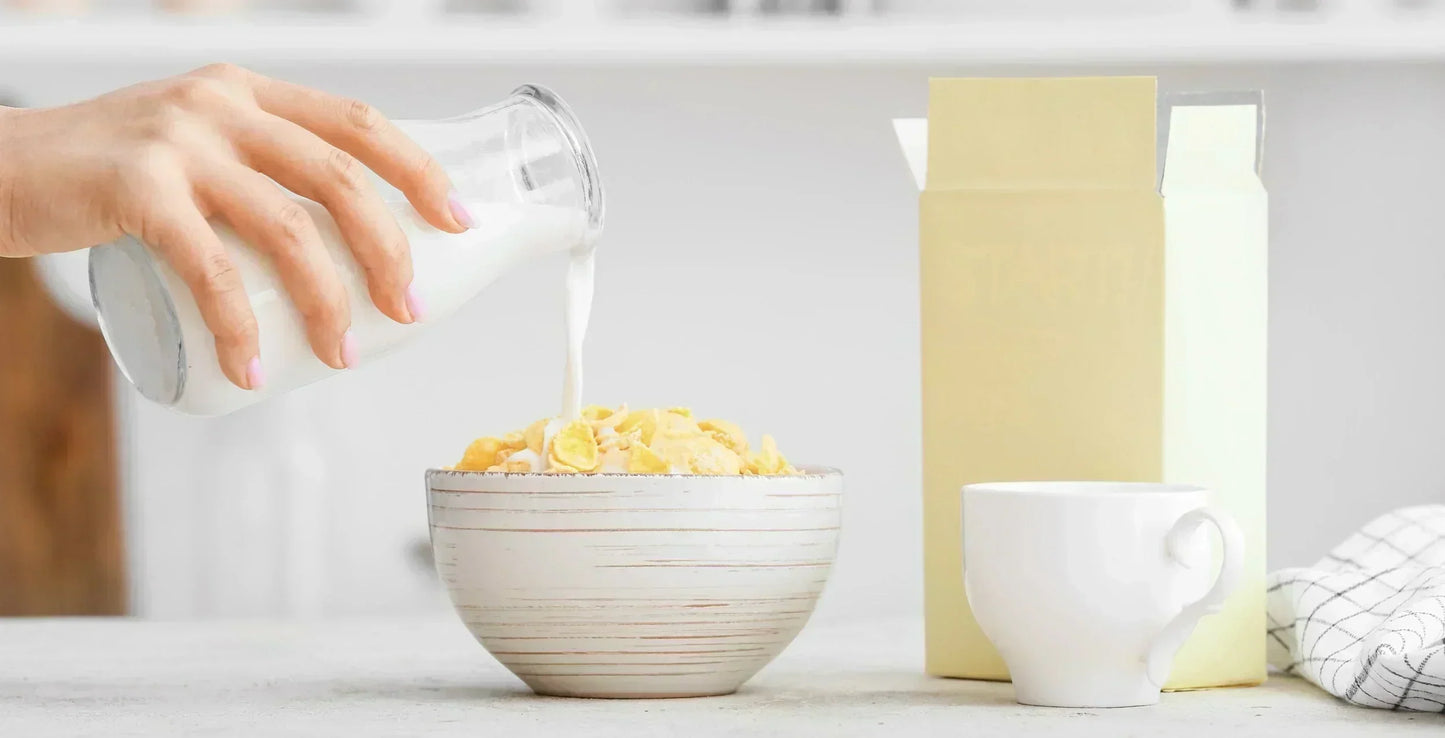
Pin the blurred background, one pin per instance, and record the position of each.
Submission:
(759, 264)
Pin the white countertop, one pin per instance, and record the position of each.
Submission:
(83, 677)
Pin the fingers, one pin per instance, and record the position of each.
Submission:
(303, 163)
(264, 216)
(358, 129)
(182, 237)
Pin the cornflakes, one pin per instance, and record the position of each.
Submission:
(574, 447)
(617, 441)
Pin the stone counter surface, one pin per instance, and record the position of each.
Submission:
(115, 677)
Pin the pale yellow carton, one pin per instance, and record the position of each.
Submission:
(1079, 324)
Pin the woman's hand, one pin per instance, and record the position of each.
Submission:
(156, 160)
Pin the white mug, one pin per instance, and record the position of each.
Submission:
(1087, 589)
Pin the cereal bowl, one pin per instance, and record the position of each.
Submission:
(642, 586)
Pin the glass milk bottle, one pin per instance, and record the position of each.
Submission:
(524, 170)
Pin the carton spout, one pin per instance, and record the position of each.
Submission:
(1210, 140)
(913, 138)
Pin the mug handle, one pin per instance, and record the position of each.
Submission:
(1161, 653)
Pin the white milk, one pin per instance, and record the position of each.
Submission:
(579, 309)
(449, 270)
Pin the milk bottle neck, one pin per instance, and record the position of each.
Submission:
(528, 149)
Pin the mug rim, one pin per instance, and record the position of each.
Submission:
(1081, 488)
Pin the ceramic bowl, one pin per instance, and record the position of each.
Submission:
(620, 585)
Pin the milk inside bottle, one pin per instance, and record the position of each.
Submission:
(523, 169)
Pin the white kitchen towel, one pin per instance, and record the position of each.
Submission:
(1367, 623)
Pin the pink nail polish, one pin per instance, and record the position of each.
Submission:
(460, 212)
(414, 304)
(348, 350)
(255, 375)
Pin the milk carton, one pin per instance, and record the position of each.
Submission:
(1094, 266)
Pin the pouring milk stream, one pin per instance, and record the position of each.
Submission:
(523, 169)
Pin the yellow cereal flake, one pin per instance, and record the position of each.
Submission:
(611, 440)
(574, 447)
(604, 418)
(596, 412)
(645, 422)
(728, 434)
(674, 448)
(515, 467)
(480, 455)
(535, 433)
(715, 458)
(685, 412)
(767, 460)
(672, 425)
(629, 439)
(643, 460)
(514, 441)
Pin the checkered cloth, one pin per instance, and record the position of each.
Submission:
(1367, 623)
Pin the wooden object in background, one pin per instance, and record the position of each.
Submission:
(61, 546)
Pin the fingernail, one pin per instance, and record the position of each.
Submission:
(459, 211)
(348, 350)
(255, 375)
(414, 304)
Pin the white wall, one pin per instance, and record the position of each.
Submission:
(760, 264)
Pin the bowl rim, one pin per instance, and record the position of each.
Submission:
(807, 472)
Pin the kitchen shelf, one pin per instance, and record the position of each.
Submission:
(722, 41)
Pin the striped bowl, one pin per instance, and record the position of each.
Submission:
(621, 585)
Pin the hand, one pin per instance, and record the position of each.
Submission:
(158, 159)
